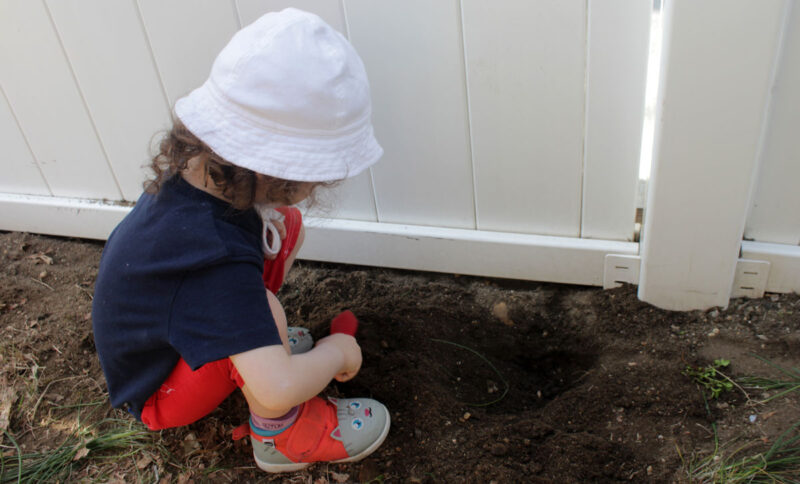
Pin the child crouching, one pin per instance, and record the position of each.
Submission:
(181, 314)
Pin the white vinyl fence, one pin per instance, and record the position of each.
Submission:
(512, 132)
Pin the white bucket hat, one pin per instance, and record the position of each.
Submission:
(287, 97)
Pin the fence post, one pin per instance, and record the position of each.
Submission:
(715, 81)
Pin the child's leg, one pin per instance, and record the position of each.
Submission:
(275, 270)
(187, 396)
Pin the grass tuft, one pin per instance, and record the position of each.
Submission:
(786, 385)
(109, 439)
(778, 464)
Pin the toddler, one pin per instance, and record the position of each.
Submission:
(181, 314)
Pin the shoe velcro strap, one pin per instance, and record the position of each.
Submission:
(309, 430)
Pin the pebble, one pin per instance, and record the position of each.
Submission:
(498, 449)
(714, 332)
(714, 313)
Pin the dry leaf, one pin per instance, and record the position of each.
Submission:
(8, 395)
(82, 452)
(40, 257)
(144, 462)
(340, 477)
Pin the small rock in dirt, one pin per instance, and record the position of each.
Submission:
(714, 332)
(466, 416)
(649, 470)
(774, 297)
(498, 449)
(500, 311)
(491, 387)
(714, 313)
(762, 337)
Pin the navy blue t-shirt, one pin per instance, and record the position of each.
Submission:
(181, 276)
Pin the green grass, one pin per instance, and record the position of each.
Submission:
(710, 377)
(780, 463)
(107, 440)
(788, 383)
(750, 462)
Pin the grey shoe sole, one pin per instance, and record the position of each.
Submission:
(296, 466)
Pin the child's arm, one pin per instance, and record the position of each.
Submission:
(279, 381)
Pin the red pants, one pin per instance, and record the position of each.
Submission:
(187, 396)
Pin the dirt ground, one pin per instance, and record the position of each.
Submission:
(594, 379)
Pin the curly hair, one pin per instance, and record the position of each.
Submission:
(237, 184)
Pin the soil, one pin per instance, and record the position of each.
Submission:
(486, 380)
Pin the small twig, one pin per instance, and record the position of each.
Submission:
(36, 406)
(750, 401)
(43, 283)
(85, 291)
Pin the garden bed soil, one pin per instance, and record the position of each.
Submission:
(594, 379)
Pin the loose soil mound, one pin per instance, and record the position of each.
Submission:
(486, 380)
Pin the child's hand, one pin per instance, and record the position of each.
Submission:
(351, 351)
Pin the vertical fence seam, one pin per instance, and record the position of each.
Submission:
(83, 99)
(475, 212)
(371, 177)
(153, 55)
(25, 138)
(582, 191)
(238, 13)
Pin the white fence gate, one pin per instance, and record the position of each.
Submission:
(511, 128)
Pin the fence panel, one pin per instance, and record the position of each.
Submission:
(775, 210)
(526, 79)
(619, 32)
(113, 66)
(415, 62)
(185, 37)
(482, 111)
(20, 173)
(39, 84)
